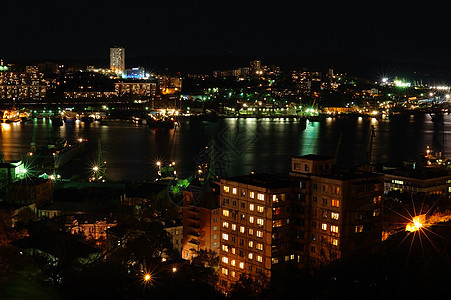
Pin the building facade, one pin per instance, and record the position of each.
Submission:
(117, 60)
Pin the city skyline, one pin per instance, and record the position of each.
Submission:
(88, 30)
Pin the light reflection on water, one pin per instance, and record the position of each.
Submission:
(240, 145)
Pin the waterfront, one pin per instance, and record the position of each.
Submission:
(240, 145)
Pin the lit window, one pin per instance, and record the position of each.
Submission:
(324, 226)
(233, 274)
(260, 209)
(225, 224)
(376, 212)
(251, 244)
(335, 203)
(251, 231)
(234, 191)
(225, 212)
(251, 207)
(242, 229)
(225, 260)
(225, 236)
(233, 226)
(359, 228)
(251, 195)
(261, 197)
(334, 228)
(226, 189)
(259, 258)
(251, 219)
(276, 223)
(260, 221)
(259, 246)
(225, 248)
(274, 198)
(335, 216)
(233, 250)
(241, 265)
(232, 262)
(250, 256)
(225, 271)
(259, 233)
(334, 242)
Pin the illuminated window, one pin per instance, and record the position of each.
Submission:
(251, 207)
(233, 226)
(233, 274)
(225, 248)
(334, 242)
(334, 228)
(261, 197)
(225, 213)
(226, 189)
(335, 203)
(225, 236)
(259, 246)
(251, 195)
(233, 250)
(250, 256)
(377, 199)
(274, 198)
(260, 222)
(234, 191)
(232, 262)
(241, 265)
(225, 260)
(251, 231)
(225, 271)
(260, 209)
(251, 219)
(259, 233)
(225, 224)
(242, 229)
(324, 226)
(251, 244)
(336, 190)
(335, 216)
(376, 212)
(259, 258)
(359, 228)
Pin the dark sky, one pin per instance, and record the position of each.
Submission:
(87, 29)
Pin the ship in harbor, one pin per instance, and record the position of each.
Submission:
(68, 152)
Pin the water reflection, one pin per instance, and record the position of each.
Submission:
(237, 145)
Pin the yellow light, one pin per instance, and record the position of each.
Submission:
(147, 277)
(158, 163)
(95, 169)
(416, 224)
(174, 270)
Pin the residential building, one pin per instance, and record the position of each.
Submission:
(255, 226)
(201, 219)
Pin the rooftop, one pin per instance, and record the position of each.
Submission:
(263, 180)
(314, 157)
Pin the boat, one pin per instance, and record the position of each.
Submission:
(11, 116)
(68, 152)
(160, 121)
(56, 120)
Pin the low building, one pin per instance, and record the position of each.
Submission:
(428, 180)
(39, 191)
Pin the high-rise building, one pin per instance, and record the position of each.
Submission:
(201, 219)
(316, 215)
(343, 209)
(117, 60)
(254, 227)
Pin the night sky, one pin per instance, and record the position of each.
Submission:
(87, 29)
